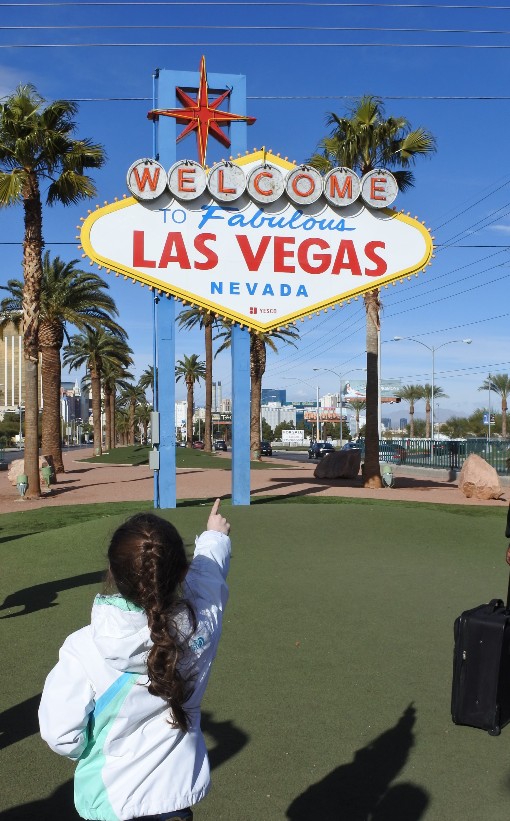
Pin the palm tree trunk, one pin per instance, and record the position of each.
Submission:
(208, 324)
(33, 273)
(427, 419)
(371, 468)
(504, 409)
(256, 399)
(95, 384)
(411, 420)
(132, 408)
(189, 415)
(51, 441)
(111, 411)
(257, 370)
(107, 419)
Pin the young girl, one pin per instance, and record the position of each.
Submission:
(124, 699)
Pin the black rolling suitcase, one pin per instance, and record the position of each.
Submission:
(481, 667)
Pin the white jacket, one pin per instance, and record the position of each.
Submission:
(96, 708)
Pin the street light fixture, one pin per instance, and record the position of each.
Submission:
(432, 349)
(341, 378)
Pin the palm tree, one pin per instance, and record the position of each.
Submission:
(188, 319)
(365, 140)
(191, 370)
(358, 405)
(122, 425)
(131, 396)
(68, 296)
(412, 394)
(258, 343)
(500, 384)
(37, 146)
(113, 376)
(143, 418)
(147, 381)
(94, 348)
(427, 395)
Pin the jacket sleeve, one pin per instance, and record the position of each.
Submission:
(209, 568)
(66, 704)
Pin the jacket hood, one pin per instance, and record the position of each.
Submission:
(120, 633)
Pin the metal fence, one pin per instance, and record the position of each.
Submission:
(446, 454)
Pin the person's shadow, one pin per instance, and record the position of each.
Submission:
(362, 790)
(42, 596)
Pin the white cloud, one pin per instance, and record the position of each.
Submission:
(9, 79)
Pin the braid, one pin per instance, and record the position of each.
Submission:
(148, 562)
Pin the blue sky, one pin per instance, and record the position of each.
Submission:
(443, 68)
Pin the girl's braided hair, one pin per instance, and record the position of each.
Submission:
(147, 564)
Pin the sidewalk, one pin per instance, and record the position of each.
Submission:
(87, 483)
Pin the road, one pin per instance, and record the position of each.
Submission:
(15, 453)
(291, 455)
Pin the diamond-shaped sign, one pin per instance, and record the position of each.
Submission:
(261, 258)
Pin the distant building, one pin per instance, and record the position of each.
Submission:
(403, 423)
(276, 413)
(226, 406)
(12, 369)
(273, 395)
(70, 402)
(216, 396)
(386, 422)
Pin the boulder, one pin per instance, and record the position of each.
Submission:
(342, 464)
(479, 480)
(17, 467)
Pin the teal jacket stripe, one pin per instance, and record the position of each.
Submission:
(90, 794)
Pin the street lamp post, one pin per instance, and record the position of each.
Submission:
(432, 349)
(341, 378)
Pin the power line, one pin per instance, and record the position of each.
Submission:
(201, 44)
(255, 3)
(209, 27)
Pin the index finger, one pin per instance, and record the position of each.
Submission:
(215, 507)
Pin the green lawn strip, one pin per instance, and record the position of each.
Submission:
(129, 455)
(330, 695)
(185, 458)
(28, 522)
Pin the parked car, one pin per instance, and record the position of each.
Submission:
(266, 449)
(351, 446)
(198, 445)
(320, 449)
(220, 444)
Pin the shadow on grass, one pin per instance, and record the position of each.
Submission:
(19, 722)
(13, 537)
(60, 804)
(362, 790)
(42, 596)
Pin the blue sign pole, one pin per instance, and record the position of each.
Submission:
(165, 97)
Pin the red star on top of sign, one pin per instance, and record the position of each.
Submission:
(201, 115)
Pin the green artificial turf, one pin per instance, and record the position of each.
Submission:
(330, 695)
(185, 458)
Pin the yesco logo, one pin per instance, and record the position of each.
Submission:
(264, 183)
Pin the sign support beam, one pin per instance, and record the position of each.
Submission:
(165, 97)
